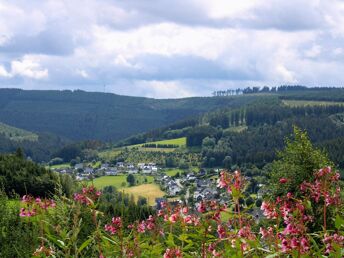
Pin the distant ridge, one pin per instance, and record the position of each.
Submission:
(80, 115)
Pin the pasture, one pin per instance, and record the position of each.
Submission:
(149, 191)
(119, 181)
(302, 103)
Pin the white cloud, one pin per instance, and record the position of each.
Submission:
(157, 48)
(28, 67)
(219, 9)
(285, 74)
(166, 89)
(4, 73)
(313, 52)
(82, 73)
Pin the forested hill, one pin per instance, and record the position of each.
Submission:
(79, 115)
(252, 133)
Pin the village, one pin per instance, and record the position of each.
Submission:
(187, 186)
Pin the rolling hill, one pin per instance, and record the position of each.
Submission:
(79, 115)
(17, 134)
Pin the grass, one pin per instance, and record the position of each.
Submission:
(109, 154)
(237, 129)
(177, 141)
(117, 181)
(302, 103)
(157, 149)
(17, 134)
(113, 153)
(149, 191)
(64, 165)
(173, 171)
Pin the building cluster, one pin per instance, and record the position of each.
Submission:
(85, 171)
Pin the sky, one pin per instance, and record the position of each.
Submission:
(170, 48)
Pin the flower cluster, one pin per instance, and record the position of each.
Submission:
(116, 224)
(43, 251)
(320, 189)
(204, 231)
(88, 195)
(333, 240)
(34, 206)
(231, 182)
(295, 217)
(172, 253)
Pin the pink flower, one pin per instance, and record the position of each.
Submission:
(266, 233)
(185, 210)
(221, 231)
(173, 218)
(269, 210)
(283, 180)
(116, 224)
(172, 253)
(141, 228)
(201, 208)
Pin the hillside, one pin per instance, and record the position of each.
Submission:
(251, 134)
(79, 115)
(17, 134)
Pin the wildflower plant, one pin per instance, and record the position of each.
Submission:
(211, 229)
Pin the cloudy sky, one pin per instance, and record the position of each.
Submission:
(170, 48)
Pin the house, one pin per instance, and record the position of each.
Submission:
(257, 214)
(81, 177)
(202, 172)
(141, 165)
(111, 171)
(174, 189)
(132, 171)
(147, 170)
(261, 192)
(89, 170)
(120, 164)
(130, 166)
(203, 182)
(191, 177)
(198, 196)
(104, 166)
(209, 193)
(79, 166)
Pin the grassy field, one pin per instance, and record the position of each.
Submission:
(178, 141)
(149, 191)
(64, 165)
(173, 171)
(117, 181)
(113, 153)
(109, 154)
(17, 134)
(302, 103)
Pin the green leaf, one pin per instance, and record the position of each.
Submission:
(339, 222)
(110, 240)
(273, 255)
(170, 240)
(84, 245)
(183, 237)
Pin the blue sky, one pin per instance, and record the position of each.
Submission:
(168, 49)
